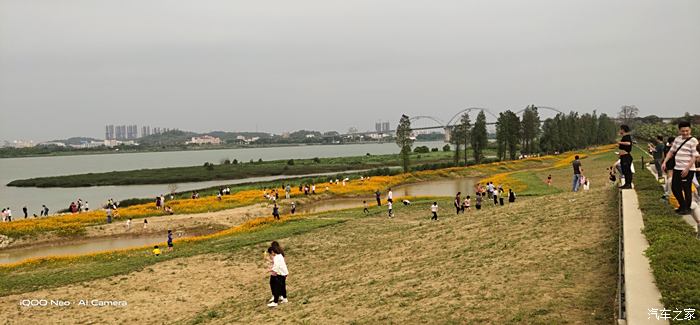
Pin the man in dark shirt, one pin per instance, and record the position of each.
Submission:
(625, 147)
(577, 173)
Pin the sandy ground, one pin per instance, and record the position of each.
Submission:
(160, 294)
(177, 222)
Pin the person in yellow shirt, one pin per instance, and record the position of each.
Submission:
(156, 250)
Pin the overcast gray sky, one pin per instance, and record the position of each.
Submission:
(69, 67)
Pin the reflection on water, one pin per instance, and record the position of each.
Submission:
(88, 246)
(448, 187)
(432, 188)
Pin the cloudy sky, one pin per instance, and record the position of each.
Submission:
(69, 67)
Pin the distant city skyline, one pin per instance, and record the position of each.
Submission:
(69, 68)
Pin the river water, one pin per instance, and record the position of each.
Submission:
(430, 188)
(59, 198)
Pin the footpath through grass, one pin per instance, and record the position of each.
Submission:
(674, 250)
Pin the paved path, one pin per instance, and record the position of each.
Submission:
(641, 292)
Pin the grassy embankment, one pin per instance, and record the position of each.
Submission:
(546, 259)
(248, 194)
(674, 250)
(222, 171)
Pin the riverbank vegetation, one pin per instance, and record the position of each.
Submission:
(229, 169)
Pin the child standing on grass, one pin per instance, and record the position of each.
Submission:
(128, 224)
(467, 203)
(479, 198)
(391, 213)
(434, 210)
(549, 180)
(366, 210)
(145, 223)
(156, 250)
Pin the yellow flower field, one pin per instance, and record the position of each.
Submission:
(74, 224)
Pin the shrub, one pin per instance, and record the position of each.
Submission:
(446, 148)
(421, 149)
(226, 161)
(435, 149)
(235, 161)
(317, 160)
(290, 162)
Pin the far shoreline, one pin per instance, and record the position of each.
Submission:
(80, 152)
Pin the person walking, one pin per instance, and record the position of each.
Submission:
(511, 196)
(24, 209)
(681, 159)
(458, 202)
(479, 198)
(293, 208)
(287, 190)
(278, 273)
(378, 196)
(391, 212)
(434, 210)
(8, 212)
(390, 196)
(109, 214)
(576, 164)
(276, 212)
(658, 154)
(625, 148)
(170, 240)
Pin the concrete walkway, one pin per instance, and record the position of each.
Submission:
(641, 293)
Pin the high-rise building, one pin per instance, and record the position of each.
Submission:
(145, 131)
(378, 126)
(131, 132)
(385, 127)
(109, 132)
(120, 133)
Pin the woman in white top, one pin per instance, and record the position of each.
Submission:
(278, 274)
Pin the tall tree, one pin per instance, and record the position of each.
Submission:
(531, 128)
(513, 134)
(501, 131)
(456, 140)
(404, 141)
(465, 125)
(508, 134)
(627, 114)
(478, 137)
